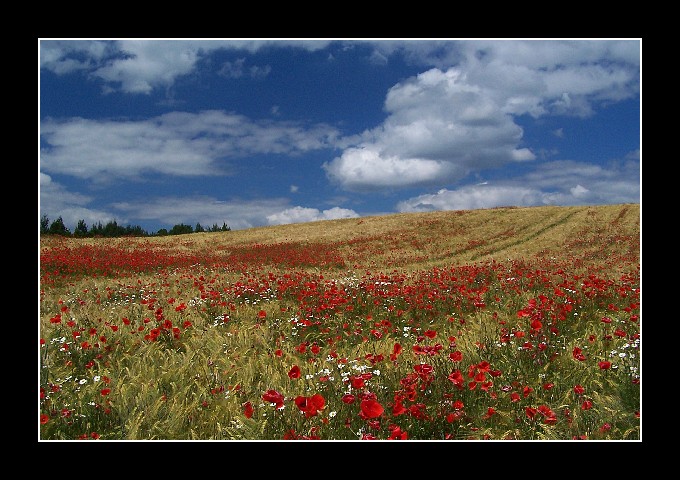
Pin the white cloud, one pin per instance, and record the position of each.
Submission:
(439, 129)
(553, 183)
(140, 66)
(238, 214)
(365, 168)
(56, 201)
(176, 143)
(451, 121)
(304, 214)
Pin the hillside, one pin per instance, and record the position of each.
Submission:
(592, 236)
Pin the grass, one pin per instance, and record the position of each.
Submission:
(508, 323)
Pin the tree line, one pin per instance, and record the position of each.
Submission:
(112, 229)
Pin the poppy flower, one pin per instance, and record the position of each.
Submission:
(357, 381)
(272, 396)
(248, 409)
(577, 353)
(370, 409)
(310, 405)
(604, 365)
(294, 372)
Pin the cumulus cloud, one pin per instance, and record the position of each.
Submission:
(176, 143)
(451, 121)
(439, 129)
(304, 214)
(553, 183)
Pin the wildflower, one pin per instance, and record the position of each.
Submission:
(294, 372)
(310, 405)
(370, 409)
(273, 397)
(577, 353)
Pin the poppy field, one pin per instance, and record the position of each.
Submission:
(498, 324)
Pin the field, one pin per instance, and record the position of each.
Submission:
(499, 324)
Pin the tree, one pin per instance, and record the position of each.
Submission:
(199, 228)
(58, 228)
(225, 228)
(81, 229)
(180, 229)
(162, 232)
(44, 224)
(96, 230)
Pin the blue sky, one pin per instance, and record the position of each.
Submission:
(248, 132)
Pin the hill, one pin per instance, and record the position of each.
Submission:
(590, 236)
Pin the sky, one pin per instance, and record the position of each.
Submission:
(258, 132)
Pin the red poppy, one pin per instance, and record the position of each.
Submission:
(294, 372)
(44, 419)
(456, 356)
(248, 409)
(604, 365)
(579, 390)
(457, 378)
(397, 433)
(310, 405)
(348, 398)
(105, 391)
(370, 409)
(398, 408)
(586, 405)
(357, 381)
(489, 413)
(272, 396)
(261, 314)
(578, 354)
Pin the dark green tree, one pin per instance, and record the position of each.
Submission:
(58, 228)
(96, 230)
(162, 232)
(44, 224)
(81, 229)
(199, 228)
(112, 229)
(225, 228)
(180, 229)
